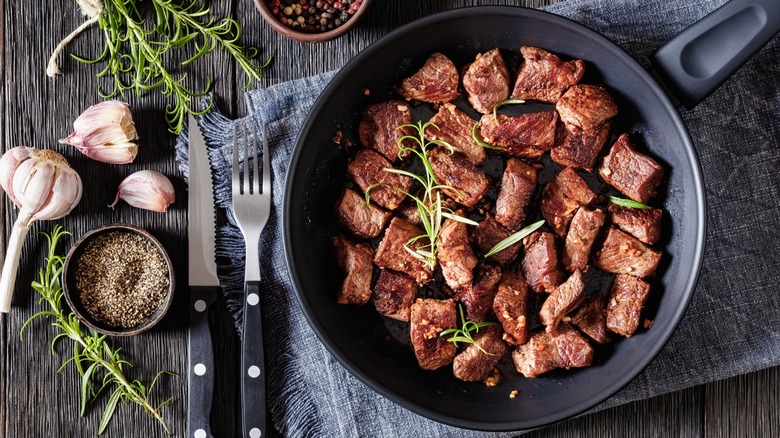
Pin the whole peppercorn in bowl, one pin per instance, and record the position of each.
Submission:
(312, 20)
(118, 279)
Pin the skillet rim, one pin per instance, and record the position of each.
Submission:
(695, 174)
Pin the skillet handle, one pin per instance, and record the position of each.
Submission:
(697, 61)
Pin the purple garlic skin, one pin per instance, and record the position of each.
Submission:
(146, 189)
(105, 132)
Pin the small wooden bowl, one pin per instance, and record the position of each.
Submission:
(307, 37)
(73, 297)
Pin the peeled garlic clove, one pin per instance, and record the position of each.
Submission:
(105, 132)
(146, 189)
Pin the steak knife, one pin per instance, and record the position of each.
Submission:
(203, 285)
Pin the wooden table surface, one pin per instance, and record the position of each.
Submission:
(36, 111)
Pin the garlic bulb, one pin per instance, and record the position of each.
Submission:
(146, 189)
(43, 186)
(105, 132)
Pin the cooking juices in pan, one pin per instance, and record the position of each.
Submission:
(494, 210)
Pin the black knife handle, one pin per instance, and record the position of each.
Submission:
(253, 365)
(200, 375)
(698, 60)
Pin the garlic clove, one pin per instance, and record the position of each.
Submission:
(146, 189)
(8, 164)
(65, 194)
(105, 132)
(39, 181)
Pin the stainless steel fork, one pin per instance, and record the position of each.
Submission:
(251, 208)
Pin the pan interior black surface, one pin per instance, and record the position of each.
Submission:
(371, 347)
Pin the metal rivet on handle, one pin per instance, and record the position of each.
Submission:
(255, 433)
(253, 371)
(200, 305)
(199, 369)
(252, 299)
(200, 433)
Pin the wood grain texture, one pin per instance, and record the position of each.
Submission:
(36, 111)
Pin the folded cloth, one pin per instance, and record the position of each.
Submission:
(731, 325)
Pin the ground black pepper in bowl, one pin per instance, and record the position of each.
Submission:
(118, 280)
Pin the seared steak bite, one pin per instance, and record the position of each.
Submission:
(590, 318)
(487, 81)
(393, 294)
(367, 168)
(586, 106)
(562, 197)
(634, 174)
(578, 148)
(391, 253)
(478, 296)
(528, 135)
(540, 262)
(455, 256)
(584, 228)
(456, 171)
(379, 127)
(545, 352)
(543, 76)
(561, 301)
(624, 307)
(511, 307)
(429, 317)
(517, 188)
(435, 82)
(454, 127)
(642, 223)
(362, 220)
(354, 260)
(477, 360)
(487, 234)
(622, 253)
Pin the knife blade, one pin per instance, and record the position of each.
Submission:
(203, 285)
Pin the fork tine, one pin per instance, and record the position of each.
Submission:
(245, 165)
(255, 162)
(266, 165)
(236, 183)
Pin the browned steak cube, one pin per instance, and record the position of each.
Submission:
(429, 317)
(586, 106)
(545, 352)
(511, 307)
(642, 223)
(394, 293)
(362, 220)
(456, 171)
(590, 318)
(517, 189)
(584, 228)
(435, 82)
(626, 300)
(561, 301)
(622, 253)
(540, 262)
(454, 126)
(354, 260)
(528, 135)
(487, 81)
(633, 173)
(379, 129)
(478, 296)
(477, 360)
(368, 168)
(543, 76)
(562, 197)
(391, 253)
(487, 234)
(455, 256)
(578, 148)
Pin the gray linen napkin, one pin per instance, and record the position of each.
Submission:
(731, 326)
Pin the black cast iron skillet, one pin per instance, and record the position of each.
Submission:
(375, 349)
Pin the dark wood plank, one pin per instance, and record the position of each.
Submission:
(744, 406)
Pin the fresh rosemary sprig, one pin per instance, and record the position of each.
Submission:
(514, 238)
(629, 203)
(466, 331)
(137, 52)
(100, 364)
(429, 207)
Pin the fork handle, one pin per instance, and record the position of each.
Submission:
(253, 365)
